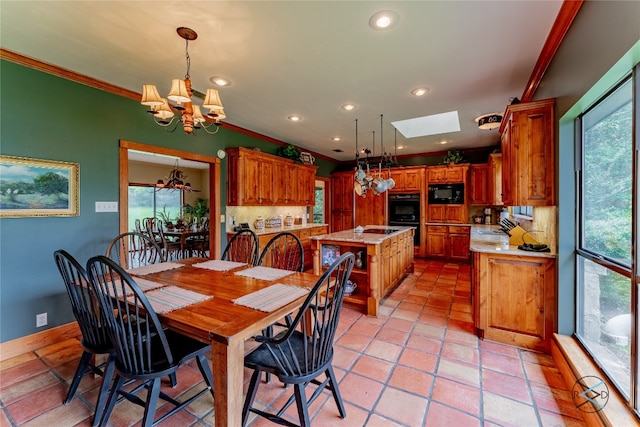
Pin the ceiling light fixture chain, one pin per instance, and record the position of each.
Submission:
(181, 93)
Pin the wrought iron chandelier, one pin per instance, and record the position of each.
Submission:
(175, 180)
(181, 93)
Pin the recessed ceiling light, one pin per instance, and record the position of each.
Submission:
(348, 107)
(336, 138)
(295, 118)
(444, 141)
(419, 91)
(384, 19)
(220, 81)
(400, 147)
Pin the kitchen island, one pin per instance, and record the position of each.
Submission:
(384, 255)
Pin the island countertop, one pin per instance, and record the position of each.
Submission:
(371, 235)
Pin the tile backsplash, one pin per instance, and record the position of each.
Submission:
(249, 214)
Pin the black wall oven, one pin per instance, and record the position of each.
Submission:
(404, 209)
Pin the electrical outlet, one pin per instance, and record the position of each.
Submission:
(41, 320)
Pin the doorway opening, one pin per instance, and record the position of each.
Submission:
(208, 186)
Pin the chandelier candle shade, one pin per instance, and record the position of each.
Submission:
(181, 93)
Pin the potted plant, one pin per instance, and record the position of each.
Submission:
(197, 211)
(453, 157)
(165, 217)
(289, 152)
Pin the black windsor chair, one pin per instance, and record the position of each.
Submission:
(144, 351)
(243, 247)
(95, 337)
(283, 251)
(132, 250)
(304, 351)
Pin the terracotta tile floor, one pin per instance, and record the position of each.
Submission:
(417, 364)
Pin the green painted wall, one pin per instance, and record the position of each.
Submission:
(46, 117)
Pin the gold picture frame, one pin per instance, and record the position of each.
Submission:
(35, 187)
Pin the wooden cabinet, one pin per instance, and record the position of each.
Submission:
(255, 178)
(494, 188)
(458, 240)
(386, 263)
(478, 184)
(456, 214)
(437, 241)
(408, 179)
(448, 242)
(528, 154)
(371, 210)
(307, 181)
(256, 183)
(342, 201)
(447, 174)
(515, 299)
(455, 174)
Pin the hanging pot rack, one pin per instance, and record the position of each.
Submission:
(364, 181)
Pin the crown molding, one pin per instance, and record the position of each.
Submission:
(566, 15)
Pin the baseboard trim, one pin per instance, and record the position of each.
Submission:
(38, 340)
(574, 363)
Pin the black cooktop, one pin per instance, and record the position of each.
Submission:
(380, 230)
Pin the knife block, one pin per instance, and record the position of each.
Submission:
(519, 235)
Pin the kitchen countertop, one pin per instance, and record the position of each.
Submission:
(486, 238)
(282, 229)
(447, 223)
(351, 236)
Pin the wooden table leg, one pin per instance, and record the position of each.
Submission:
(228, 374)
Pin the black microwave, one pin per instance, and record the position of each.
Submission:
(446, 194)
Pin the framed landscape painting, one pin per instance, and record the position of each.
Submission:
(33, 187)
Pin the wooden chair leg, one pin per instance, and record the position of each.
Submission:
(152, 402)
(251, 395)
(107, 378)
(80, 371)
(301, 403)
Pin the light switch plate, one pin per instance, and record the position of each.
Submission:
(106, 206)
(222, 218)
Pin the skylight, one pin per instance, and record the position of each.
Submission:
(429, 125)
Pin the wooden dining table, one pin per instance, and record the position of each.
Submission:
(224, 324)
(183, 235)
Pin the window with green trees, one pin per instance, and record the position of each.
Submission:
(605, 188)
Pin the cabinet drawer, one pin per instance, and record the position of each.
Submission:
(317, 231)
(459, 230)
(436, 229)
(304, 234)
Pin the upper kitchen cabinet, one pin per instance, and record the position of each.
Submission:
(528, 154)
(408, 179)
(479, 184)
(494, 188)
(259, 179)
(342, 201)
(447, 174)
